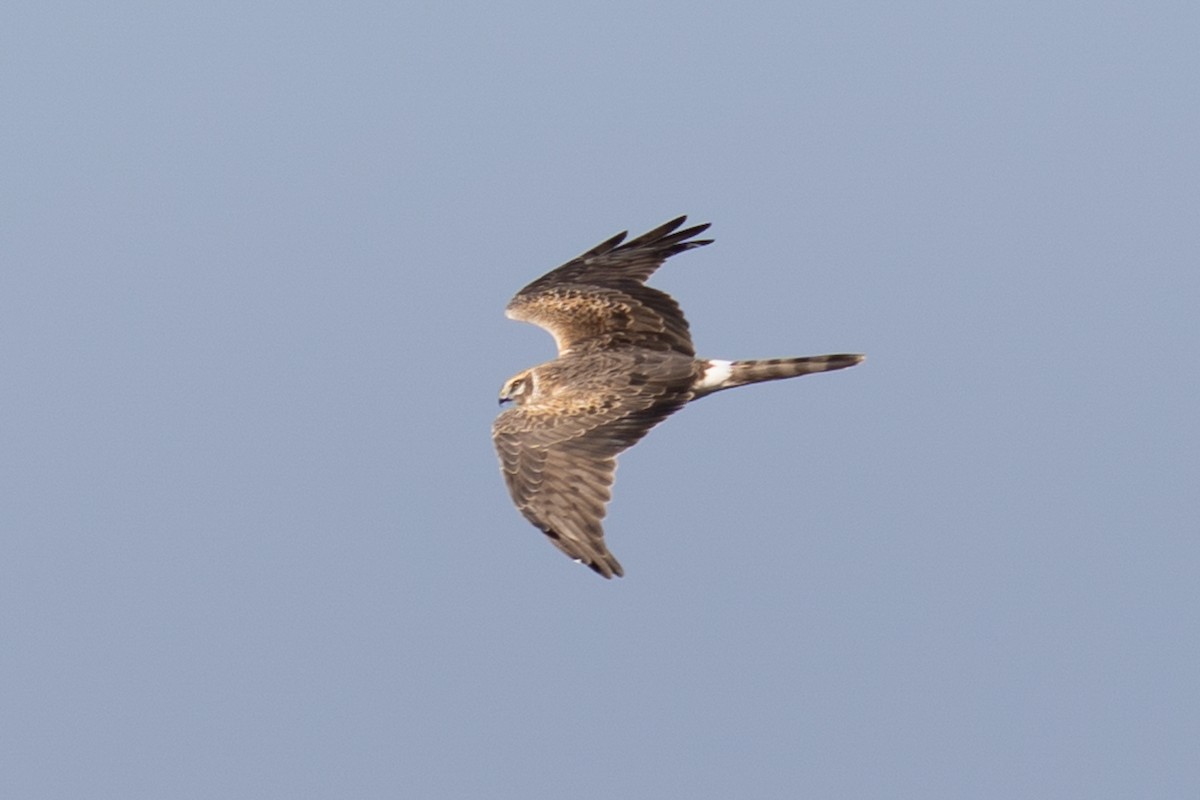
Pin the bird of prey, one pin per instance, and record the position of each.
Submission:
(625, 363)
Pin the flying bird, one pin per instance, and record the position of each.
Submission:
(625, 363)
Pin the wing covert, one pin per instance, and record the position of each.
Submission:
(559, 460)
(599, 300)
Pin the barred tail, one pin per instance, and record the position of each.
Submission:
(717, 375)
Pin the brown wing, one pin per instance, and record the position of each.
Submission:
(559, 459)
(599, 300)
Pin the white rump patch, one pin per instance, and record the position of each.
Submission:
(716, 374)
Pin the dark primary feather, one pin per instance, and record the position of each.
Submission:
(610, 261)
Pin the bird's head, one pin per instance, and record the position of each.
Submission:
(517, 389)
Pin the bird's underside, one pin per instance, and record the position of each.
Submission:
(625, 363)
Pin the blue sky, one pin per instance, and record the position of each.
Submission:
(251, 331)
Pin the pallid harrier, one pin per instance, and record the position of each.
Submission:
(625, 363)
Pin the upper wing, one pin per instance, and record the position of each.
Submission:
(558, 462)
(599, 300)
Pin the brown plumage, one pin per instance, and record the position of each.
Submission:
(625, 363)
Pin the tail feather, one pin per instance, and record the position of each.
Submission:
(718, 375)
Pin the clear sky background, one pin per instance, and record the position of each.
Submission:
(253, 538)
